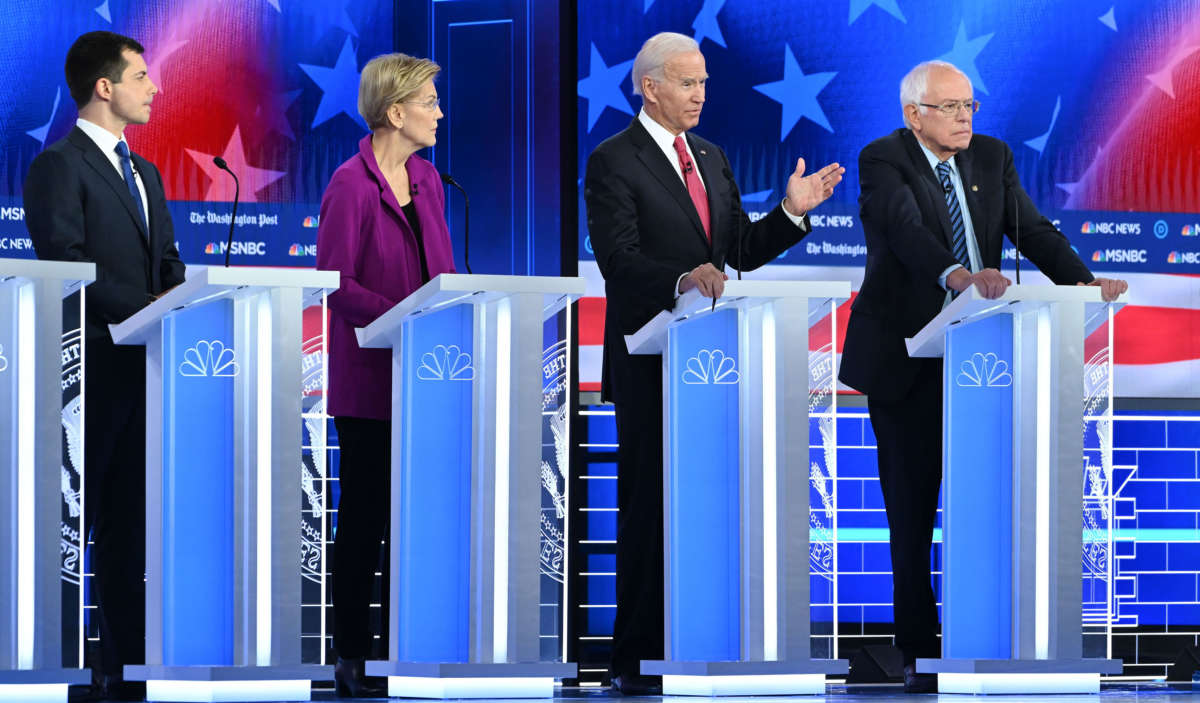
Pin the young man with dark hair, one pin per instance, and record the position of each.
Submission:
(89, 198)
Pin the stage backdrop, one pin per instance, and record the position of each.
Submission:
(1100, 102)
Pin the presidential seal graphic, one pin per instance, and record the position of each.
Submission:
(823, 464)
(72, 459)
(556, 452)
(313, 470)
(1097, 469)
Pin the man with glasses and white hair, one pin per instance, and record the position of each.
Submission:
(664, 216)
(936, 202)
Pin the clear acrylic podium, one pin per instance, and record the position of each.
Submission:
(223, 426)
(737, 398)
(31, 362)
(1013, 447)
(466, 486)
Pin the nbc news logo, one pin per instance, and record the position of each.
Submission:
(1191, 230)
(1184, 257)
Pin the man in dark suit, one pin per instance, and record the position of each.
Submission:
(87, 198)
(936, 201)
(664, 216)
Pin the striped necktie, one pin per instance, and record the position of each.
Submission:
(956, 215)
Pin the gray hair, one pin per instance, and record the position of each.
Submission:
(655, 53)
(914, 85)
(388, 79)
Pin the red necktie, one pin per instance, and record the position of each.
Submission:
(695, 189)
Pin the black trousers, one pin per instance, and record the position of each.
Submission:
(908, 434)
(114, 387)
(359, 545)
(638, 628)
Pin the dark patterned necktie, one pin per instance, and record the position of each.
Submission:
(127, 169)
(956, 215)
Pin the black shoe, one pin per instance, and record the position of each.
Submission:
(114, 687)
(919, 683)
(351, 680)
(628, 684)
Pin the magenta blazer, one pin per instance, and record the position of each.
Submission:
(364, 235)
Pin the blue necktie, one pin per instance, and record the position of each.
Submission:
(127, 169)
(956, 215)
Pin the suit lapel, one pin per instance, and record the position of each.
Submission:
(933, 189)
(656, 162)
(104, 168)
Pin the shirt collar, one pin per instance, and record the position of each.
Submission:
(934, 160)
(661, 136)
(101, 136)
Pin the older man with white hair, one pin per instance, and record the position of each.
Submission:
(936, 203)
(665, 217)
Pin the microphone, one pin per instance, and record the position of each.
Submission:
(237, 192)
(1017, 236)
(448, 180)
(948, 187)
(687, 166)
(413, 189)
(737, 207)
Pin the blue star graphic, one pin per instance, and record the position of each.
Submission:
(706, 22)
(964, 53)
(646, 6)
(857, 7)
(1038, 144)
(41, 132)
(602, 87)
(339, 85)
(797, 94)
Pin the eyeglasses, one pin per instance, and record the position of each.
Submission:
(951, 108)
(431, 104)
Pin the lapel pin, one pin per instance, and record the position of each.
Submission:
(974, 189)
(703, 152)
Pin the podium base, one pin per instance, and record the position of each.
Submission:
(1021, 676)
(40, 684)
(744, 678)
(445, 680)
(215, 684)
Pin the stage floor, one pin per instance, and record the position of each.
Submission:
(839, 693)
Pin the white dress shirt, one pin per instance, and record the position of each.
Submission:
(108, 146)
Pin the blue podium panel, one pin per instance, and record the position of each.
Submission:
(199, 367)
(435, 487)
(703, 509)
(978, 489)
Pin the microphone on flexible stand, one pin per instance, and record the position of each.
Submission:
(737, 208)
(448, 180)
(237, 192)
(1017, 236)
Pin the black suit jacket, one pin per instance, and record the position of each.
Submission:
(78, 208)
(907, 228)
(646, 233)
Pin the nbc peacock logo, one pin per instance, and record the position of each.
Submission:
(1191, 230)
(1098, 255)
(311, 221)
(1173, 257)
(211, 248)
(1088, 228)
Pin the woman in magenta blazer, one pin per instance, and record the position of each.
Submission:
(382, 226)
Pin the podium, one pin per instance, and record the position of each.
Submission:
(466, 485)
(1013, 428)
(31, 383)
(736, 403)
(223, 426)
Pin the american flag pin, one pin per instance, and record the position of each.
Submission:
(705, 153)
